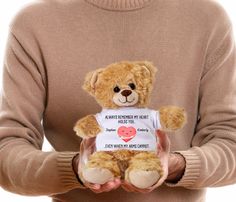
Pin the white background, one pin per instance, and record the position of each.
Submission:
(8, 8)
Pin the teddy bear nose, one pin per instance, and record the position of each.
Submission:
(126, 93)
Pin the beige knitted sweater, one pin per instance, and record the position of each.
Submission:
(52, 44)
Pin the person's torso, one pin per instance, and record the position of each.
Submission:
(76, 37)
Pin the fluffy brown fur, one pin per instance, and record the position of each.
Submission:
(172, 118)
(100, 84)
(87, 127)
(147, 161)
(104, 160)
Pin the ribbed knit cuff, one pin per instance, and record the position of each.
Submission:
(67, 175)
(192, 169)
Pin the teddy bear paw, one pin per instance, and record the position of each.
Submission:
(143, 179)
(172, 117)
(87, 127)
(97, 175)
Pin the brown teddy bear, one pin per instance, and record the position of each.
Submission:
(125, 129)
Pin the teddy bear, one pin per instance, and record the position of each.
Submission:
(125, 129)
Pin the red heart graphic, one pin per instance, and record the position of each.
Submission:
(126, 133)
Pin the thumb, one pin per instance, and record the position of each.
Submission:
(87, 147)
(164, 142)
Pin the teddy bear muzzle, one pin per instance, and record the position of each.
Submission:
(125, 98)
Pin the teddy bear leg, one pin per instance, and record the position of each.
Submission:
(101, 168)
(144, 170)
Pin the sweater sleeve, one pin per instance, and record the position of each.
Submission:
(211, 161)
(24, 168)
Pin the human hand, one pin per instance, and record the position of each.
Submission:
(176, 167)
(108, 186)
(86, 149)
(163, 148)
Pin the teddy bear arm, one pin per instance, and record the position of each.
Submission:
(172, 117)
(87, 127)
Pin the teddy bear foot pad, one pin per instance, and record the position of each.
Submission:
(97, 175)
(143, 179)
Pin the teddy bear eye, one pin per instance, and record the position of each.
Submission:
(116, 89)
(132, 86)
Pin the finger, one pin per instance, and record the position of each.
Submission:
(111, 185)
(108, 186)
(164, 141)
(93, 186)
(89, 141)
(107, 189)
(88, 144)
(117, 182)
(126, 189)
(96, 191)
(159, 149)
(124, 185)
(116, 186)
(97, 188)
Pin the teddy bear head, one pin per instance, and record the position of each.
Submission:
(122, 84)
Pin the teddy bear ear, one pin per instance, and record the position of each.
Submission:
(148, 67)
(90, 80)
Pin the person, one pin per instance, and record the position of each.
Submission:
(53, 44)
